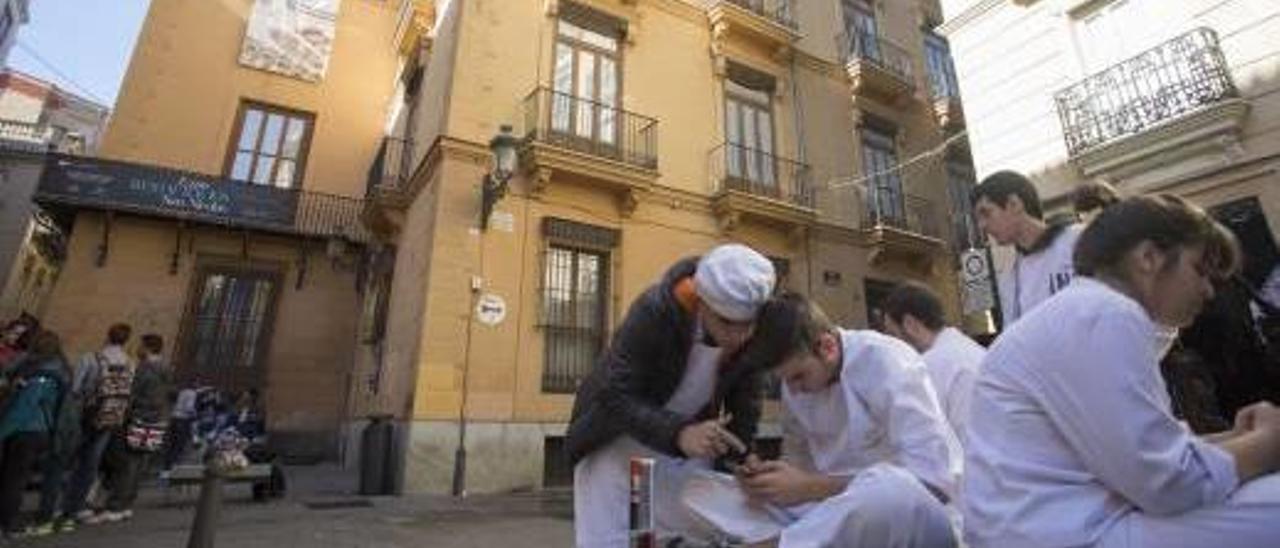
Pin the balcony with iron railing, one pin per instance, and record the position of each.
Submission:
(75, 182)
(945, 94)
(877, 67)
(579, 138)
(900, 225)
(756, 184)
(1171, 95)
(768, 25)
(391, 168)
(781, 12)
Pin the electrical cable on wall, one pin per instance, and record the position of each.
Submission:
(928, 154)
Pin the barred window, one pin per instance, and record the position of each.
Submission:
(227, 326)
(575, 282)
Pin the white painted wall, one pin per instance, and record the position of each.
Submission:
(1010, 60)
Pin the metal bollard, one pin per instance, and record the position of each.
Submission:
(641, 510)
(207, 510)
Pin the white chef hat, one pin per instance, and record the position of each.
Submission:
(734, 280)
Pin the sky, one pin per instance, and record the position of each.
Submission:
(82, 45)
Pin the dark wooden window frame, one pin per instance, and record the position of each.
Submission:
(254, 376)
(304, 148)
(592, 20)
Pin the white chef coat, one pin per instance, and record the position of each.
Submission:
(879, 424)
(1035, 277)
(1071, 440)
(952, 364)
(881, 409)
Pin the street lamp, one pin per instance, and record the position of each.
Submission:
(494, 187)
(505, 158)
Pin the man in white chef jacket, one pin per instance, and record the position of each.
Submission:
(1071, 438)
(913, 313)
(868, 459)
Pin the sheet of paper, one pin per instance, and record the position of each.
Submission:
(716, 498)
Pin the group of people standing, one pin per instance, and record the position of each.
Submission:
(98, 423)
(1061, 434)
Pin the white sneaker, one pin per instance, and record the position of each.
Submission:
(116, 517)
(89, 517)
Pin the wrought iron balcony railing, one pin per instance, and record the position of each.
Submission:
(779, 11)
(735, 167)
(869, 48)
(1162, 83)
(109, 185)
(591, 127)
(391, 167)
(889, 206)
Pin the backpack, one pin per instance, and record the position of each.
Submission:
(111, 405)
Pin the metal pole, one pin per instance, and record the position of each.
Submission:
(210, 505)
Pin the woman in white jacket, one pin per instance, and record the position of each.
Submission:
(1071, 441)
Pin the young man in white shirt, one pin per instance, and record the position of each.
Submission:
(868, 459)
(913, 313)
(1008, 210)
(1071, 437)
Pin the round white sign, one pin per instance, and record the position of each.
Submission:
(491, 309)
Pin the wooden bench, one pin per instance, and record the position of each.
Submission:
(186, 475)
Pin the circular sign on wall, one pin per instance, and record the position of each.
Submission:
(491, 309)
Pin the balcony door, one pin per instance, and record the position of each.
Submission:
(749, 159)
(586, 86)
(861, 29)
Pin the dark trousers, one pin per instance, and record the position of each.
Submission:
(20, 453)
(176, 441)
(127, 467)
(88, 459)
(52, 484)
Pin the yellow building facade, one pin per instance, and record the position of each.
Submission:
(224, 211)
(826, 134)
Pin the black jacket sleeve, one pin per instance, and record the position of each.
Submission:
(636, 363)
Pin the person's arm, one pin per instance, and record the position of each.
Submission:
(631, 361)
(743, 404)
(1106, 403)
(902, 397)
(1254, 442)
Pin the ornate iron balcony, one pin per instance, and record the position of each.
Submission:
(886, 205)
(755, 172)
(591, 127)
(778, 11)
(391, 167)
(1162, 83)
(869, 48)
(109, 185)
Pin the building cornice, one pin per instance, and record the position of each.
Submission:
(968, 16)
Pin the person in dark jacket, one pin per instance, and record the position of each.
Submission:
(39, 383)
(672, 386)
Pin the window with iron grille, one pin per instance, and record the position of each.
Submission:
(270, 146)
(575, 293)
(227, 326)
